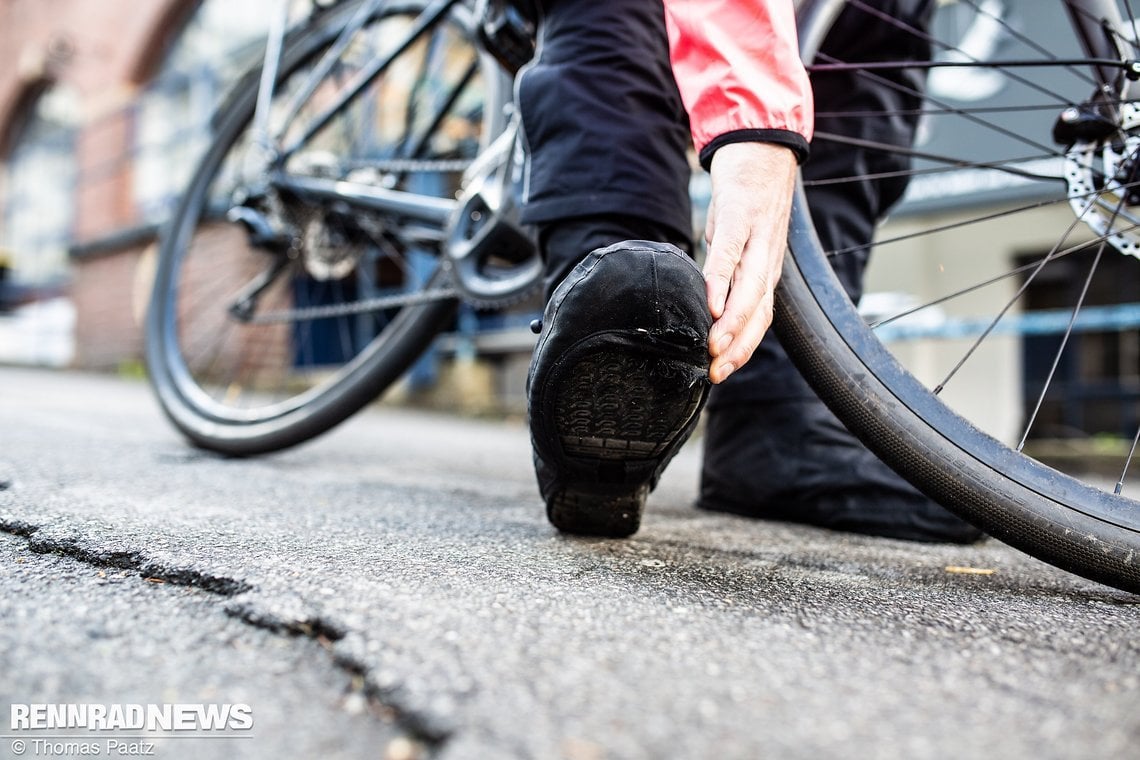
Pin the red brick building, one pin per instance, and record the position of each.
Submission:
(99, 106)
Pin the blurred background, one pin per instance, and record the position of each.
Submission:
(104, 108)
(105, 105)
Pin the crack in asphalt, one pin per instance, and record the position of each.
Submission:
(309, 627)
(122, 560)
(422, 728)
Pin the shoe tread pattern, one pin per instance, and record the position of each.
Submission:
(623, 407)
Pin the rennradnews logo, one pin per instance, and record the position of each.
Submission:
(131, 717)
(70, 730)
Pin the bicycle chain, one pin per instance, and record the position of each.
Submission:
(412, 165)
(356, 307)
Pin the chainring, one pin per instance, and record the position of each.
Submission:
(491, 257)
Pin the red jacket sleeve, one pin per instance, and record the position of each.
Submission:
(738, 68)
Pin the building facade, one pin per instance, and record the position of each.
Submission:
(102, 113)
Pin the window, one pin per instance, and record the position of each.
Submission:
(220, 41)
(37, 185)
(1095, 389)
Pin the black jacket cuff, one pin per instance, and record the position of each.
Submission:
(786, 137)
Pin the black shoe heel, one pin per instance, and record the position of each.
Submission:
(616, 414)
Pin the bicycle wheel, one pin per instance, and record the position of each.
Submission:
(286, 295)
(992, 282)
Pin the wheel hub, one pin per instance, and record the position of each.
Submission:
(328, 253)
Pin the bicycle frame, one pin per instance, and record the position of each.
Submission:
(472, 230)
(432, 212)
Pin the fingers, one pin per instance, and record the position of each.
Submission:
(746, 232)
(747, 314)
(726, 248)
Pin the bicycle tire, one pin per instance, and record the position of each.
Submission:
(279, 423)
(1013, 497)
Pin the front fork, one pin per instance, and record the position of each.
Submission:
(1100, 28)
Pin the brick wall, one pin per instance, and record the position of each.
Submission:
(110, 292)
(103, 180)
(102, 51)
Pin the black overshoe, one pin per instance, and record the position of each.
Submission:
(794, 461)
(617, 382)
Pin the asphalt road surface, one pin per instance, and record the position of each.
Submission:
(392, 590)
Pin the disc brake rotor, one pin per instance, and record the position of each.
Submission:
(1101, 175)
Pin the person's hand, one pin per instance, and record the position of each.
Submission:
(747, 235)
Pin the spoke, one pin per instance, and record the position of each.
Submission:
(330, 58)
(955, 163)
(1127, 462)
(204, 291)
(304, 340)
(397, 257)
(421, 145)
(256, 360)
(964, 223)
(1093, 26)
(245, 373)
(880, 175)
(207, 300)
(946, 227)
(287, 364)
(983, 284)
(1026, 39)
(428, 46)
(368, 278)
(1003, 65)
(991, 281)
(388, 251)
(933, 170)
(934, 112)
(215, 356)
(342, 324)
(909, 29)
(234, 383)
(1016, 297)
(884, 82)
(414, 150)
(1064, 343)
(245, 301)
(365, 76)
(1055, 255)
(1131, 42)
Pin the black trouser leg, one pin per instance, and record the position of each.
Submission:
(772, 448)
(605, 132)
(606, 136)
